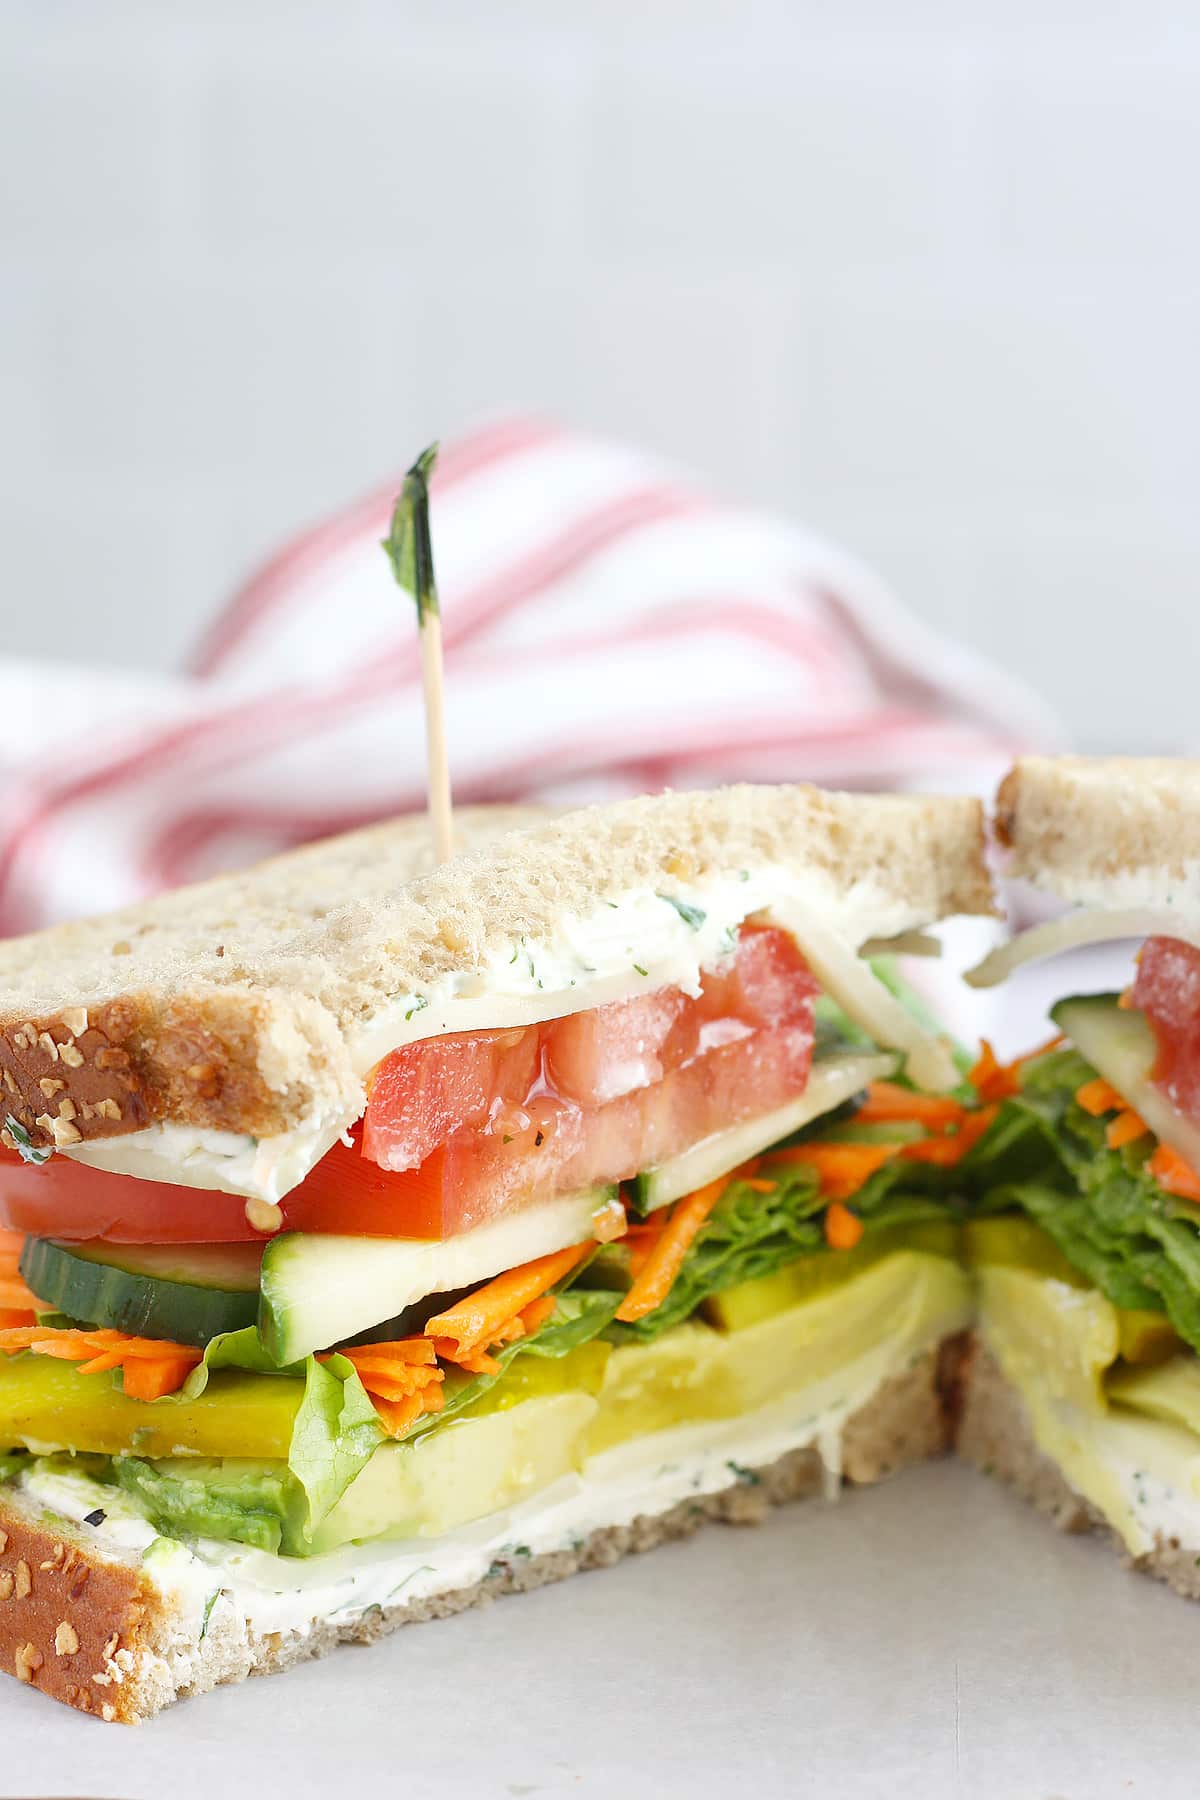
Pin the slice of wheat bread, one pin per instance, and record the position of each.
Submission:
(242, 1004)
(114, 1021)
(996, 1435)
(95, 1630)
(1110, 831)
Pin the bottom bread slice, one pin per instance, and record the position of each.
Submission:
(98, 1630)
(996, 1435)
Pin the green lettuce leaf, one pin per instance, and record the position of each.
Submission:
(235, 1350)
(751, 1234)
(337, 1431)
(1108, 1216)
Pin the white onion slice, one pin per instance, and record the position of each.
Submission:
(863, 998)
(1088, 925)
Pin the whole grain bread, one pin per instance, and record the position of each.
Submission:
(995, 1434)
(1115, 830)
(157, 1011)
(236, 1004)
(95, 1631)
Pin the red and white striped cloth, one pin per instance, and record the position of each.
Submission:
(610, 627)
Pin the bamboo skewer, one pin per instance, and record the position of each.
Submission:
(436, 761)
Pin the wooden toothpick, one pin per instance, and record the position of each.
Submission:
(410, 551)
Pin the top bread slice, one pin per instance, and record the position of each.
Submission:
(1116, 830)
(234, 1004)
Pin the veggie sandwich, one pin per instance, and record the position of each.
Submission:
(377, 1238)
(1084, 1383)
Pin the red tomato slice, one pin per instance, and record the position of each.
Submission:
(768, 982)
(1167, 990)
(425, 1091)
(617, 1089)
(593, 1057)
(64, 1199)
(469, 1179)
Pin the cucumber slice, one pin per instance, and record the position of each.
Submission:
(831, 1081)
(323, 1290)
(1120, 1045)
(187, 1293)
(875, 1131)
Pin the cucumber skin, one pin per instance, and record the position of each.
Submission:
(1119, 1043)
(101, 1294)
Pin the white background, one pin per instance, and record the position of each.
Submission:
(921, 272)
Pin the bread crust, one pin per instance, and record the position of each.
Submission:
(200, 1058)
(995, 1435)
(234, 1005)
(134, 1655)
(72, 1624)
(1117, 830)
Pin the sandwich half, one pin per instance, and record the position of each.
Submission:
(381, 1239)
(1083, 1390)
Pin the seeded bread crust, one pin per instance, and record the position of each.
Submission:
(1095, 830)
(93, 1631)
(232, 1005)
(225, 1057)
(995, 1434)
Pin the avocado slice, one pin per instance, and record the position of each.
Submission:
(752, 1301)
(1146, 1338)
(1013, 1241)
(696, 1373)
(241, 1500)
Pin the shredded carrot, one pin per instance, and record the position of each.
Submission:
(402, 1378)
(15, 1295)
(145, 1380)
(657, 1275)
(1125, 1000)
(397, 1416)
(1175, 1173)
(536, 1314)
(1098, 1097)
(17, 1304)
(477, 1360)
(990, 1078)
(747, 1170)
(843, 1229)
(758, 1186)
(887, 1101)
(945, 1152)
(483, 1318)
(1126, 1128)
(641, 1240)
(150, 1367)
(841, 1168)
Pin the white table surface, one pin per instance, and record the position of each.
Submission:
(931, 1638)
(928, 1638)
